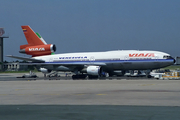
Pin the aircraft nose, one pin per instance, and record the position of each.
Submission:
(174, 60)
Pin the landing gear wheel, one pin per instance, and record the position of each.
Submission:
(148, 76)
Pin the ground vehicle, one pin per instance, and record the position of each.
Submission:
(30, 75)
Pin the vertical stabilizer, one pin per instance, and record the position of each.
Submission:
(31, 37)
(36, 44)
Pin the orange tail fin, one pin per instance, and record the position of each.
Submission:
(31, 37)
(36, 45)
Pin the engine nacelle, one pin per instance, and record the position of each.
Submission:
(44, 70)
(39, 50)
(94, 70)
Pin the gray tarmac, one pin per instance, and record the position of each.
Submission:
(66, 99)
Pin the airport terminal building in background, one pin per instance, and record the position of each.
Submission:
(14, 66)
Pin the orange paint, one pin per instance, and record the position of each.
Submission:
(38, 50)
(35, 46)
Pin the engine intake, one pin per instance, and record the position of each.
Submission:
(94, 70)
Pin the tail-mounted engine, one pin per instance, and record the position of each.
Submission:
(39, 50)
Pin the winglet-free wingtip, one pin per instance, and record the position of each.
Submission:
(26, 58)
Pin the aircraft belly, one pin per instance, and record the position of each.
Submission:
(50, 67)
(162, 64)
(144, 65)
(117, 66)
(140, 66)
(62, 68)
(131, 66)
(137, 65)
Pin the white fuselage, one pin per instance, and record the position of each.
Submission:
(112, 60)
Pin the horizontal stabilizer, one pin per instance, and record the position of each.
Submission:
(26, 59)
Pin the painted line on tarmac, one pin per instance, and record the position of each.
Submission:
(147, 84)
(101, 94)
(92, 94)
(50, 94)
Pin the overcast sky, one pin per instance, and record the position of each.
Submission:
(94, 25)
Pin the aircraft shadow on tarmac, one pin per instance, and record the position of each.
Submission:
(88, 112)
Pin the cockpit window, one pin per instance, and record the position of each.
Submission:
(167, 57)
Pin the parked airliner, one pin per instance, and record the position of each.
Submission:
(91, 64)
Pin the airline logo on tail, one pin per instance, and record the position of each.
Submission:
(36, 49)
(36, 44)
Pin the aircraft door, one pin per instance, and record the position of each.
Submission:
(127, 64)
(50, 59)
(92, 59)
(117, 65)
(126, 58)
(156, 62)
(156, 57)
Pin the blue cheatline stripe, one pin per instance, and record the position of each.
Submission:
(115, 61)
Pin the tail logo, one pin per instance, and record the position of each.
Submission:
(24, 30)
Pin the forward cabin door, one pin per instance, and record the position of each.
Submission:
(92, 59)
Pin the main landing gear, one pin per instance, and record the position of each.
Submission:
(148, 73)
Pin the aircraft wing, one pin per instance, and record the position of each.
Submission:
(27, 59)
